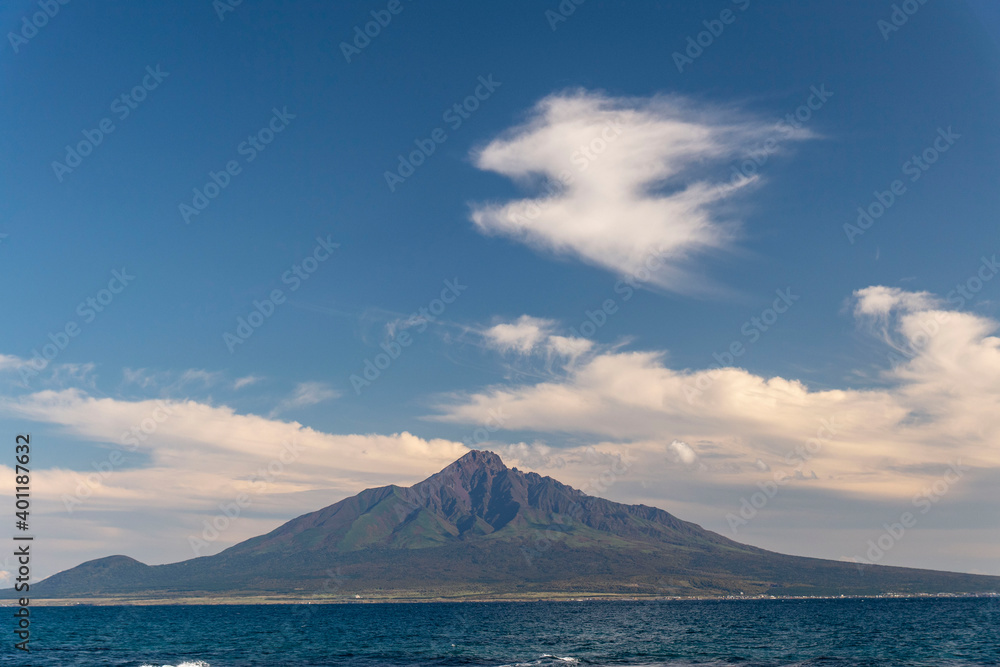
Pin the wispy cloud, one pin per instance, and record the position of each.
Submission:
(625, 178)
(199, 376)
(37, 373)
(245, 381)
(11, 362)
(170, 382)
(305, 394)
(139, 377)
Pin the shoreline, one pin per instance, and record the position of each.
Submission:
(229, 600)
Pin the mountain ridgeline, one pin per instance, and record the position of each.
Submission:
(480, 529)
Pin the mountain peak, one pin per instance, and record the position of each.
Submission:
(479, 458)
(474, 471)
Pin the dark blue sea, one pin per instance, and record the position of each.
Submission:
(828, 633)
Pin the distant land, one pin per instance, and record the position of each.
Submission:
(481, 530)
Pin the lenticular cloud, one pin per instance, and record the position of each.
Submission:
(629, 185)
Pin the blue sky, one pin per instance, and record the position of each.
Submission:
(890, 95)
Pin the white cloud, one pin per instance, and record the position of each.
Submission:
(942, 403)
(11, 362)
(569, 346)
(37, 372)
(170, 382)
(880, 301)
(305, 395)
(220, 443)
(523, 335)
(634, 178)
(200, 376)
(180, 459)
(532, 456)
(619, 412)
(139, 377)
(245, 381)
(72, 374)
(683, 452)
(529, 335)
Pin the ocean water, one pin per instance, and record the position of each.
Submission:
(828, 633)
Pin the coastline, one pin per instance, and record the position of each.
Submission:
(222, 600)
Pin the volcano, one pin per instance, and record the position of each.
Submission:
(478, 529)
